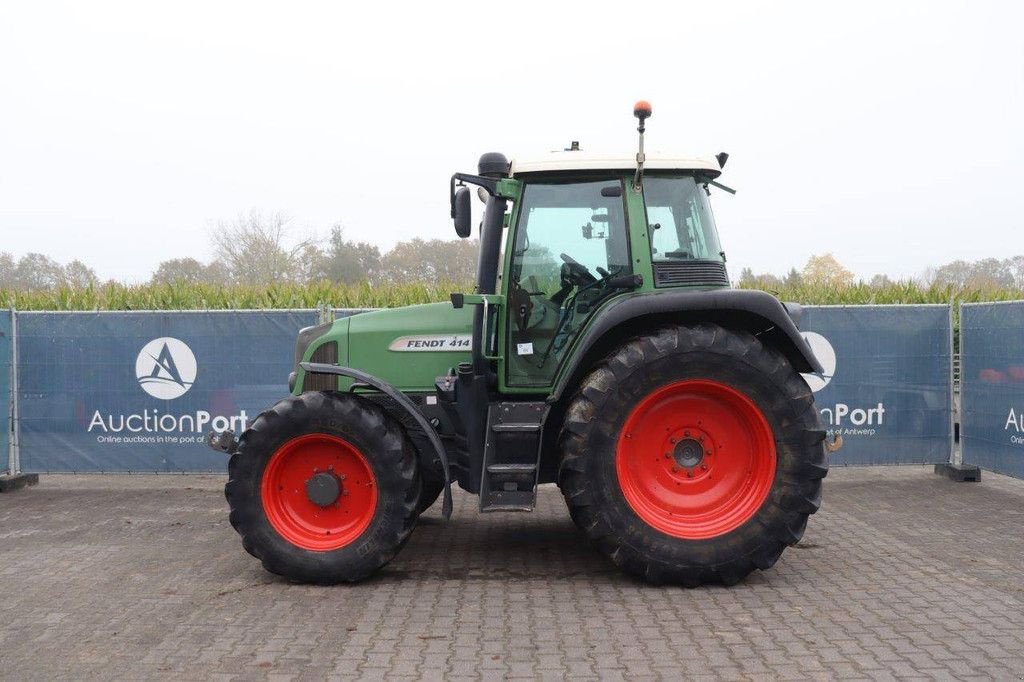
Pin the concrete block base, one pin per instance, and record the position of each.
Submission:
(960, 473)
(12, 482)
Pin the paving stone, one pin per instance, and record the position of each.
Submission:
(902, 575)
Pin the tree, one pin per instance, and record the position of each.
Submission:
(1015, 266)
(766, 280)
(35, 272)
(435, 260)
(793, 278)
(991, 273)
(988, 273)
(257, 248)
(78, 275)
(190, 271)
(826, 270)
(953, 274)
(880, 281)
(8, 267)
(347, 261)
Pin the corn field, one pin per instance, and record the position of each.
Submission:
(897, 292)
(114, 296)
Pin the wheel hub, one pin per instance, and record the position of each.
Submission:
(688, 453)
(323, 489)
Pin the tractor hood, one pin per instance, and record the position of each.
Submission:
(409, 347)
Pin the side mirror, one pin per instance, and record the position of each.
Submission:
(462, 213)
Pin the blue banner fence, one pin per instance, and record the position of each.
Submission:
(887, 388)
(136, 391)
(992, 386)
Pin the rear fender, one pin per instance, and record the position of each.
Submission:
(758, 312)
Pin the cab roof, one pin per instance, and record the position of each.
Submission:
(591, 161)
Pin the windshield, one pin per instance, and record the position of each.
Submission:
(680, 220)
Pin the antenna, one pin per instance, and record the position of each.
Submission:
(642, 110)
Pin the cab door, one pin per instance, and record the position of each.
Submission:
(569, 239)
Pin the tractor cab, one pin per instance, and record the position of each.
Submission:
(566, 233)
(581, 233)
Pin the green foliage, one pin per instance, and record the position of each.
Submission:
(345, 261)
(200, 296)
(889, 292)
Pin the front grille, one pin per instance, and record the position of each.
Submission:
(688, 273)
(328, 355)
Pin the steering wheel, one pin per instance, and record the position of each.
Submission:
(575, 272)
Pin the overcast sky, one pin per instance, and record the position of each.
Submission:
(889, 133)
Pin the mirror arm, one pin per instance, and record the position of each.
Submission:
(451, 195)
(489, 184)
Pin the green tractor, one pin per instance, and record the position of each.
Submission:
(602, 349)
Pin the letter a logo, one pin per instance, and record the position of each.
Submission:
(166, 368)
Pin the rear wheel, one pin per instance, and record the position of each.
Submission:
(324, 488)
(693, 454)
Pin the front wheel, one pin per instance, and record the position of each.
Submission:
(693, 455)
(324, 488)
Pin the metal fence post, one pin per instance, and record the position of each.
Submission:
(955, 454)
(11, 410)
(955, 469)
(14, 460)
(14, 479)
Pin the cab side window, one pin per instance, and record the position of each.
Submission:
(680, 220)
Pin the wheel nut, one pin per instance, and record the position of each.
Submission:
(689, 473)
(704, 467)
(672, 440)
(675, 469)
(686, 433)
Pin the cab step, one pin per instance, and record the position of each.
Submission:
(511, 468)
(515, 428)
(512, 456)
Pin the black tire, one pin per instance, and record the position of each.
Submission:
(607, 396)
(384, 446)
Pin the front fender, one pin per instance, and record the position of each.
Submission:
(756, 311)
(409, 406)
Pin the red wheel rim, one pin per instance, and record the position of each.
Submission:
(286, 500)
(695, 459)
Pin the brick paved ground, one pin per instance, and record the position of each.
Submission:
(902, 574)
